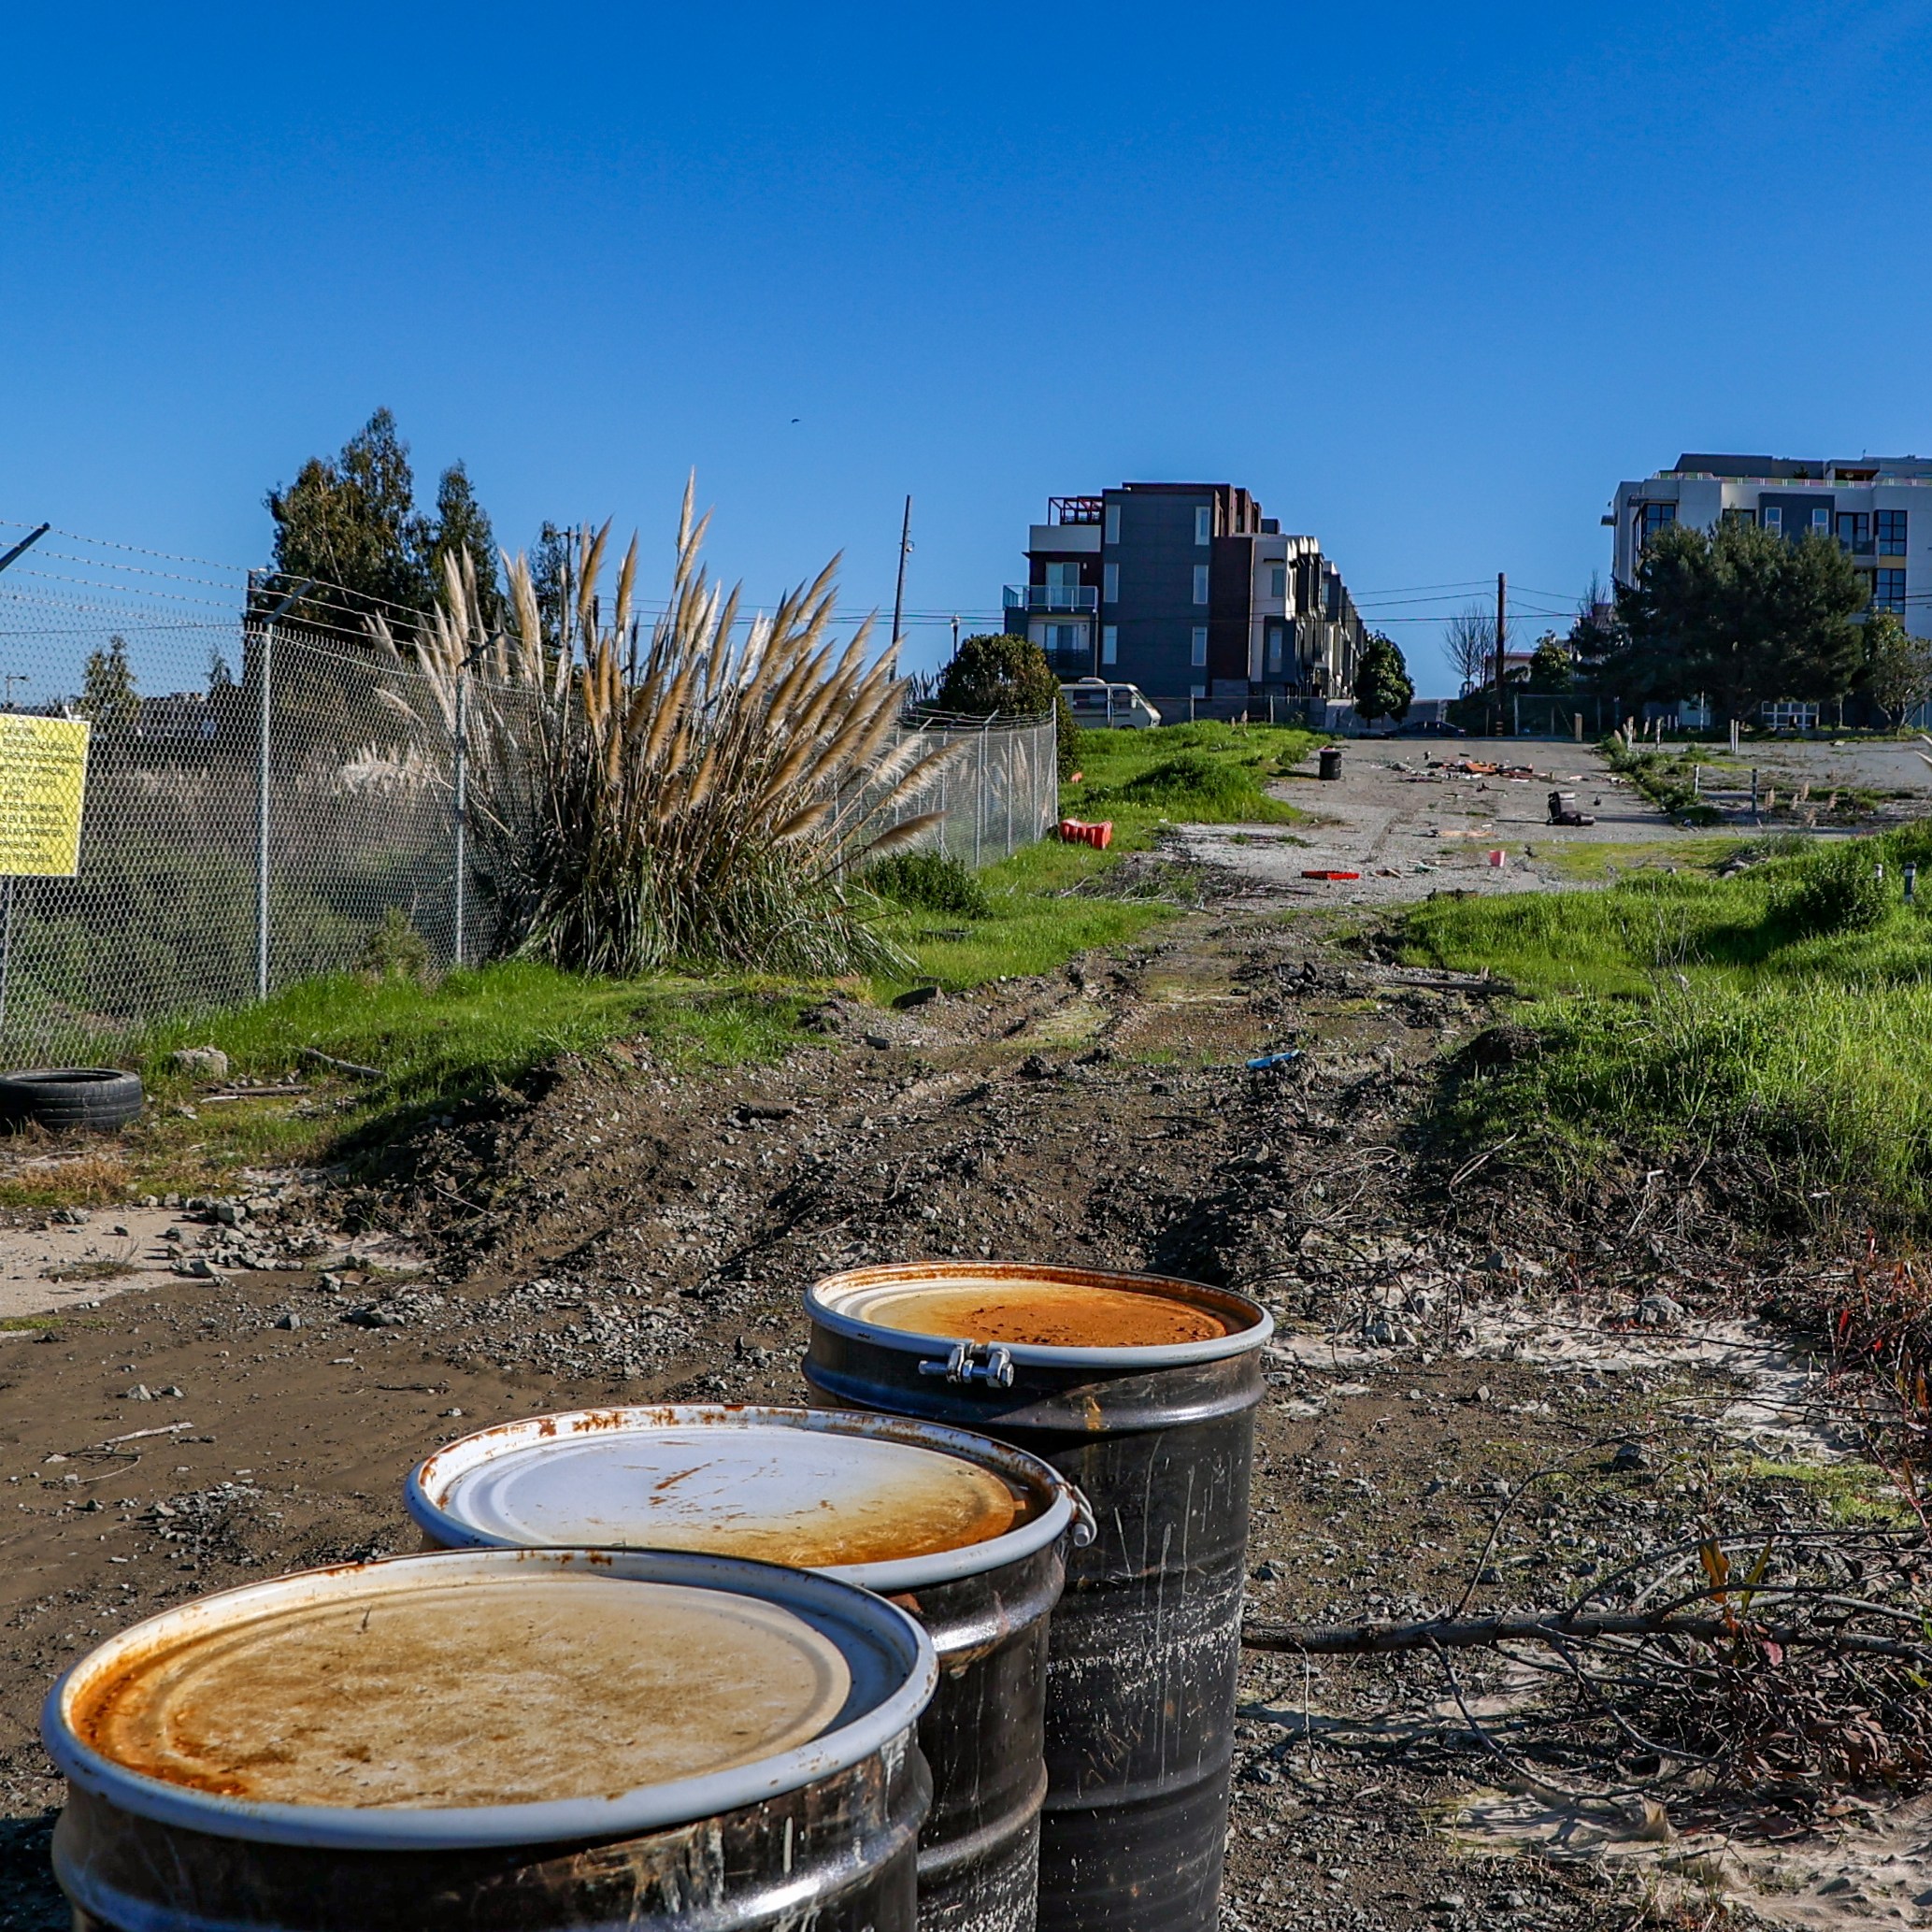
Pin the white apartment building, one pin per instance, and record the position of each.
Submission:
(1878, 507)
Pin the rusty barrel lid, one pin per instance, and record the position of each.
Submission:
(1040, 1315)
(478, 1697)
(879, 1501)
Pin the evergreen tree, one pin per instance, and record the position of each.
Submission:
(1383, 688)
(1738, 614)
(463, 523)
(1550, 667)
(109, 698)
(351, 523)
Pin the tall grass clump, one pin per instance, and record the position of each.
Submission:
(1775, 1025)
(702, 800)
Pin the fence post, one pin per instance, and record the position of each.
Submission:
(979, 795)
(262, 819)
(1007, 776)
(6, 943)
(461, 797)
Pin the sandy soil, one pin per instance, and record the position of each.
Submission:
(629, 1231)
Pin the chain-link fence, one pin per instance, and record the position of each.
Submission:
(999, 789)
(288, 811)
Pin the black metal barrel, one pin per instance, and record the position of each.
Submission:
(784, 1721)
(880, 1501)
(1142, 1391)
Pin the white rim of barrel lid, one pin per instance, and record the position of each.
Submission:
(827, 1302)
(427, 1491)
(880, 1641)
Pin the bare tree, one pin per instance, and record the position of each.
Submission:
(1469, 640)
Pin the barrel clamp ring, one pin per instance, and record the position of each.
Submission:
(964, 1366)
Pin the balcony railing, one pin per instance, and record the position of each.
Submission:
(1052, 596)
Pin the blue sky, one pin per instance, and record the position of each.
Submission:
(1428, 281)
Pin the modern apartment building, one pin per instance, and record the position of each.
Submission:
(1879, 508)
(1187, 591)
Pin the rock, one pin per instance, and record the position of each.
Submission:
(877, 1040)
(291, 1320)
(140, 1393)
(201, 1063)
(231, 1214)
(71, 1217)
(1630, 1455)
(918, 997)
(1659, 1312)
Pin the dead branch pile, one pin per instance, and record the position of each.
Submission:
(1790, 1666)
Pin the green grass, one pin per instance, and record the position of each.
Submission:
(1684, 1017)
(435, 1045)
(1200, 774)
(473, 1030)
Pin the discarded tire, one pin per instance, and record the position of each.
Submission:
(67, 1098)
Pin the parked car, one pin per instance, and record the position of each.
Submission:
(1100, 706)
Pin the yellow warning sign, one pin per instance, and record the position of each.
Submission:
(43, 786)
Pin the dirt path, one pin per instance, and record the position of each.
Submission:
(636, 1233)
(1411, 823)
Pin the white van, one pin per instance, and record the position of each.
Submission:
(1098, 706)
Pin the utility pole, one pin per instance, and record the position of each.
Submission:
(1502, 636)
(26, 543)
(899, 588)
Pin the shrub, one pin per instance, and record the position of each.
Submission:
(395, 951)
(1002, 675)
(1840, 893)
(700, 800)
(933, 880)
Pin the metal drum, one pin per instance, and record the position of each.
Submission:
(1142, 1391)
(967, 1534)
(499, 1741)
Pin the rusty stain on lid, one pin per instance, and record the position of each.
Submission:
(1044, 1314)
(809, 1499)
(521, 1689)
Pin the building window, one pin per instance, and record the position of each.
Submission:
(1740, 516)
(1278, 581)
(1197, 691)
(1199, 659)
(1891, 532)
(1854, 531)
(1655, 516)
(1112, 526)
(1772, 517)
(1820, 521)
(1111, 582)
(1888, 592)
(1200, 583)
(1109, 643)
(1204, 523)
(1274, 647)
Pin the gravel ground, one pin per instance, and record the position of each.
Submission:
(629, 1231)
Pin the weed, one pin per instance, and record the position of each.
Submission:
(933, 880)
